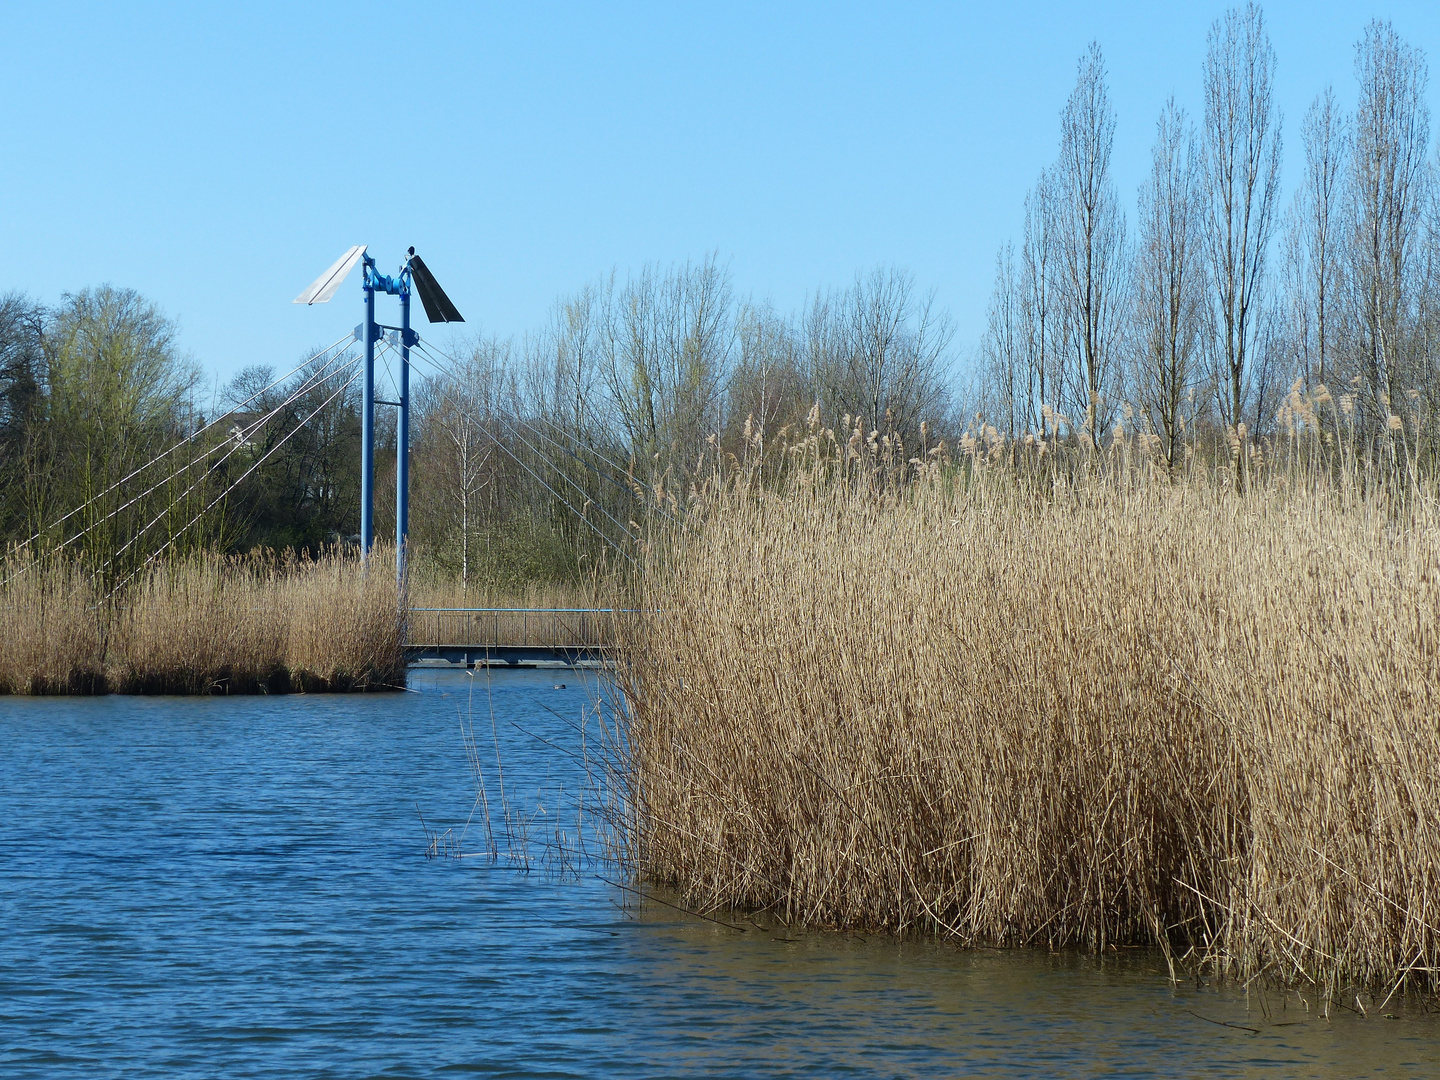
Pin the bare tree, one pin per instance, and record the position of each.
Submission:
(1169, 281)
(117, 391)
(1091, 243)
(668, 350)
(1389, 186)
(22, 367)
(1005, 356)
(472, 448)
(1315, 240)
(1242, 179)
(458, 454)
(564, 361)
(1038, 290)
(878, 353)
(767, 390)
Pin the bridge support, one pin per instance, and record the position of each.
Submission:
(399, 285)
(402, 445)
(438, 309)
(367, 423)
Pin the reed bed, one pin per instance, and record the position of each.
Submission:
(1097, 709)
(560, 630)
(52, 629)
(201, 625)
(441, 593)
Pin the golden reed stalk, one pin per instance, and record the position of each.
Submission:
(1023, 709)
(201, 625)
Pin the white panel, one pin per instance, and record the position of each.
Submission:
(326, 285)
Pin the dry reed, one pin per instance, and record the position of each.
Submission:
(1025, 710)
(52, 630)
(201, 625)
(440, 593)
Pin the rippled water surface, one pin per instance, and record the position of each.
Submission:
(238, 887)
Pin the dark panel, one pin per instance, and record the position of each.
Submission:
(438, 307)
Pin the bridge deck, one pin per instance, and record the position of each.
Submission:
(511, 656)
(510, 637)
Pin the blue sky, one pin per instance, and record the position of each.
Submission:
(218, 157)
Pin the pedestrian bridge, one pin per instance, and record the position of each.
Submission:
(511, 637)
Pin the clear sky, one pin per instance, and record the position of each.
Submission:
(217, 157)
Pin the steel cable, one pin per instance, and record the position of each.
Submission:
(632, 486)
(239, 444)
(506, 450)
(239, 480)
(316, 379)
(188, 439)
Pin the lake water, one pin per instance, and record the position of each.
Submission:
(238, 887)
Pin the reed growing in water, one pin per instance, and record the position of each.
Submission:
(206, 624)
(1060, 702)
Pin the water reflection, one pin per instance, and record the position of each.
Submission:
(824, 1003)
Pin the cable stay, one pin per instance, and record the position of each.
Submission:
(629, 489)
(238, 481)
(439, 384)
(238, 444)
(560, 498)
(632, 487)
(565, 502)
(320, 376)
(183, 442)
(315, 379)
(562, 473)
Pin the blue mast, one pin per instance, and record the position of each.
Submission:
(402, 432)
(399, 285)
(367, 421)
(438, 309)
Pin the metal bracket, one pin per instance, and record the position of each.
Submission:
(398, 336)
(395, 286)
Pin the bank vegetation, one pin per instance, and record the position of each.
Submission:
(1047, 695)
(202, 624)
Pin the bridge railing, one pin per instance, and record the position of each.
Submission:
(542, 628)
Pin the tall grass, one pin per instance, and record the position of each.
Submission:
(201, 625)
(447, 593)
(1074, 704)
(52, 629)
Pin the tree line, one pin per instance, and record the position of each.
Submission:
(1220, 301)
(543, 453)
(531, 459)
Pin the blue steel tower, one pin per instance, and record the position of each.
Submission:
(438, 308)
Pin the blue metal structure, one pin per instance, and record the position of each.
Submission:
(438, 308)
(402, 439)
(373, 281)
